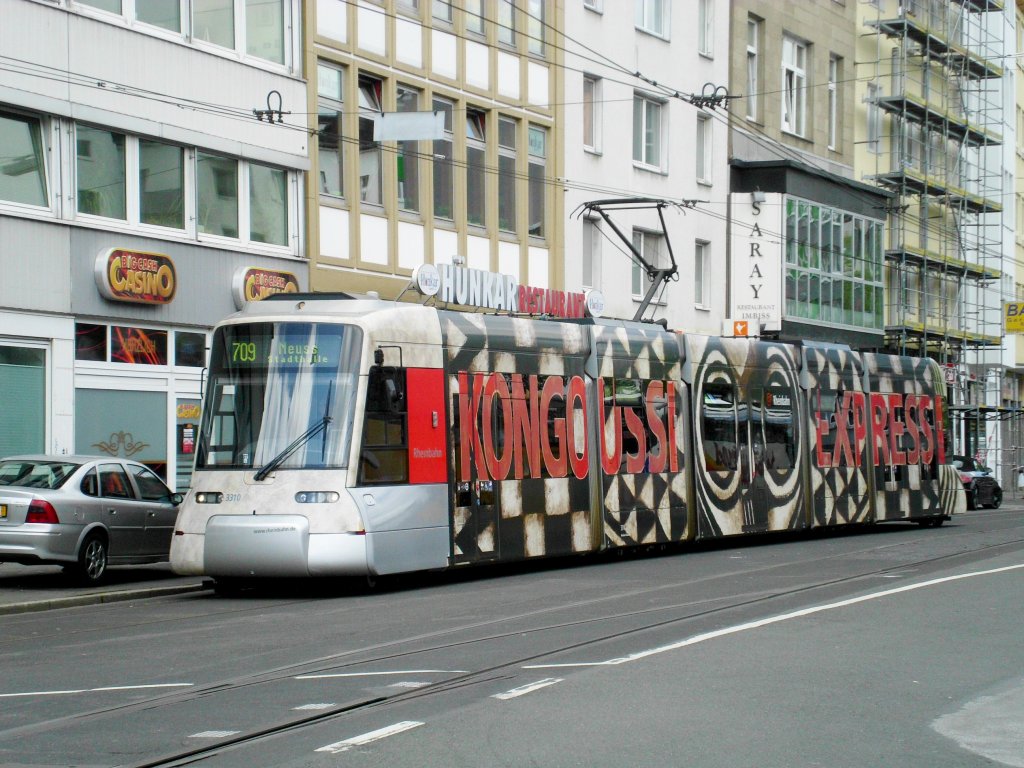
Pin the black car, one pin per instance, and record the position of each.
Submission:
(982, 488)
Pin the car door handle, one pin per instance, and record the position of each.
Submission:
(112, 511)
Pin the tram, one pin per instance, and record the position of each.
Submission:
(358, 437)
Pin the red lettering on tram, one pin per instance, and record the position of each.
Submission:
(544, 428)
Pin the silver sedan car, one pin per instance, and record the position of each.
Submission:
(84, 512)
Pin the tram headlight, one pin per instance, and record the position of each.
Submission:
(209, 497)
(316, 497)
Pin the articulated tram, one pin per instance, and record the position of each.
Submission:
(359, 437)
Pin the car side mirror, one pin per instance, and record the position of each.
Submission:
(176, 499)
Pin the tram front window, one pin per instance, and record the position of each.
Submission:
(280, 395)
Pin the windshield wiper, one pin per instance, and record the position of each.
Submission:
(301, 440)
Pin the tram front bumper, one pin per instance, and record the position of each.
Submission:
(265, 546)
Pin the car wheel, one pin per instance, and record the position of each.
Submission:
(997, 498)
(92, 559)
(972, 498)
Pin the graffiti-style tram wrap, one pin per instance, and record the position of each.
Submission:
(358, 437)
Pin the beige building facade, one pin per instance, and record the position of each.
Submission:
(467, 180)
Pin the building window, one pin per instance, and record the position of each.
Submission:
(833, 102)
(507, 22)
(535, 27)
(591, 253)
(476, 167)
(161, 184)
(268, 205)
(794, 85)
(217, 181)
(444, 188)
(652, 17)
(370, 108)
(22, 160)
(834, 266)
(650, 246)
(537, 156)
(700, 273)
(705, 27)
(329, 129)
(442, 10)
(874, 118)
(703, 148)
(165, 14)
(753, 81)
(475, 16)
(408, 156)
(101, 173)
(647, 131)
(591, 113)
(259, 32)
(507, 175)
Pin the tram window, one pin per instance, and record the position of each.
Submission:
(384, 457)
(719, 427)
(779, 435)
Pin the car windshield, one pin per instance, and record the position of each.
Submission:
(26, 473)
(280, 394)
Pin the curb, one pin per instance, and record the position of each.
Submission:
(100, 597)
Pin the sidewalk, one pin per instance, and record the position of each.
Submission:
(42, 587)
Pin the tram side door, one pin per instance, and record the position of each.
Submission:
(475, 515)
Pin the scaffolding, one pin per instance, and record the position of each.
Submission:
(934, 134)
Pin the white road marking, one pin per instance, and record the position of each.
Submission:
(409, 684)
(368, 738)
(314, 706)
(379, 674)
(94, 690)
(528, 688)
(772, 620)
(212, 734)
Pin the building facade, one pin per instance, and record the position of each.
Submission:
(931, 101)
(643, 137)
(436, 141)
(141, 200)
(805, 235)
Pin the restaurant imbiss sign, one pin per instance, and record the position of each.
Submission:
(135, 276)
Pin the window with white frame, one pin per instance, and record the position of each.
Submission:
(753, 81)
(261, 216)
(535, 27)
(408, 100)
(330, 109)
(705, 27)
(647, 133)
(370, 100)
(651, 246)
(507, 22)
(592, 113)
(165, 14)
(130, 179)
(536, 175)
(701, 252)
(591, 255)
(475, 17)
(507, 159)
(651, 16)
(23, 160)
(703, 144)
(594, 5)
(444, 183)
(794, 85)
(833, 102)
(476, 167)
(442, 10)
(874, 118)
(256, 27)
